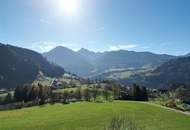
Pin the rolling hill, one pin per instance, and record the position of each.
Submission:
(19, 66)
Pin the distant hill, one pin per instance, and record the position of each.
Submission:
(19, 66)
(187, 54)
(70, 60)
(130, 59)
(176, 71)
(172, 72)
(89, 55)
(88, 63)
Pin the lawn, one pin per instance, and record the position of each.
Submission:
(92, 116)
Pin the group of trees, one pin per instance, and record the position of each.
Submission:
(85, 94)
(39, 94)
(32, 92)
(136, 92)
(182, 92)
(139, 93)
(8, 98)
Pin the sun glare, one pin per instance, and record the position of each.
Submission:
(68, 7)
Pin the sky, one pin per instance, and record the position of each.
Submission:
(159, 26)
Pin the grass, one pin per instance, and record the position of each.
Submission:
(124, 74)
(70, 89)
(92, 116)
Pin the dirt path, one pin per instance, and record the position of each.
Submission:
(185, 113)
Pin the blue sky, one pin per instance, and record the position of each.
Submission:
(159, 26)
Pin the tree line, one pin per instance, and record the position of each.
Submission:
(39, 94)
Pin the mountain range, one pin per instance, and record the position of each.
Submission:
(19, 66)
(88, 63)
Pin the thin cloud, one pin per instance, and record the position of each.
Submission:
(122, 47)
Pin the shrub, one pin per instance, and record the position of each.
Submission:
(99, 99)
(171, 104)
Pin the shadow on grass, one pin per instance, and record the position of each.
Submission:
(122, 123)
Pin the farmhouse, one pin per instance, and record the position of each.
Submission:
(55, 84)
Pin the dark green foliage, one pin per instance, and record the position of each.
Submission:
(139, 93)
(94, 92)
(116, 91)
(136, 92)
(78, 94)
(20, 66)
(32, 92)
(106, 94)
(144, 94)
(183, 93)
(87, 94)
(8, 98)
(66, 96)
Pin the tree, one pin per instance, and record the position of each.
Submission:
(144, 94)
(86, 94)
(34, 93)
(139, 93)
(66, 96)
(78, 94)
(44, 93)
(116, 91)
(18, 94)
(183, 93)
(94, 92)
(136, 92)
(106, 94)
(8, 98)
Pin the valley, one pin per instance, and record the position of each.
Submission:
(94, 65)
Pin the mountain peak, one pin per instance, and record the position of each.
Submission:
(60, 47)
(84, 50)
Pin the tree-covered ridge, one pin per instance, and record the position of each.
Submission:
(176, 71)
(19, 66)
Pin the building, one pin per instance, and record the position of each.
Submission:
(55, 84)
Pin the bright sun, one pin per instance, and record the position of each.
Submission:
(69, 7)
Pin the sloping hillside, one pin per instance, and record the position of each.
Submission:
(130, 59)
(172, 72)
(19, 66)
(70, 60)
(87, 63)
(176, 71)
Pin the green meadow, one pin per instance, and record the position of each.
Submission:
(92, 116)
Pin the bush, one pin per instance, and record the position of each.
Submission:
(99, 99)
(171, 104)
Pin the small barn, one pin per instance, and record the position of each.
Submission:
(55, 84)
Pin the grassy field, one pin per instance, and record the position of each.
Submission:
(91, 116)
